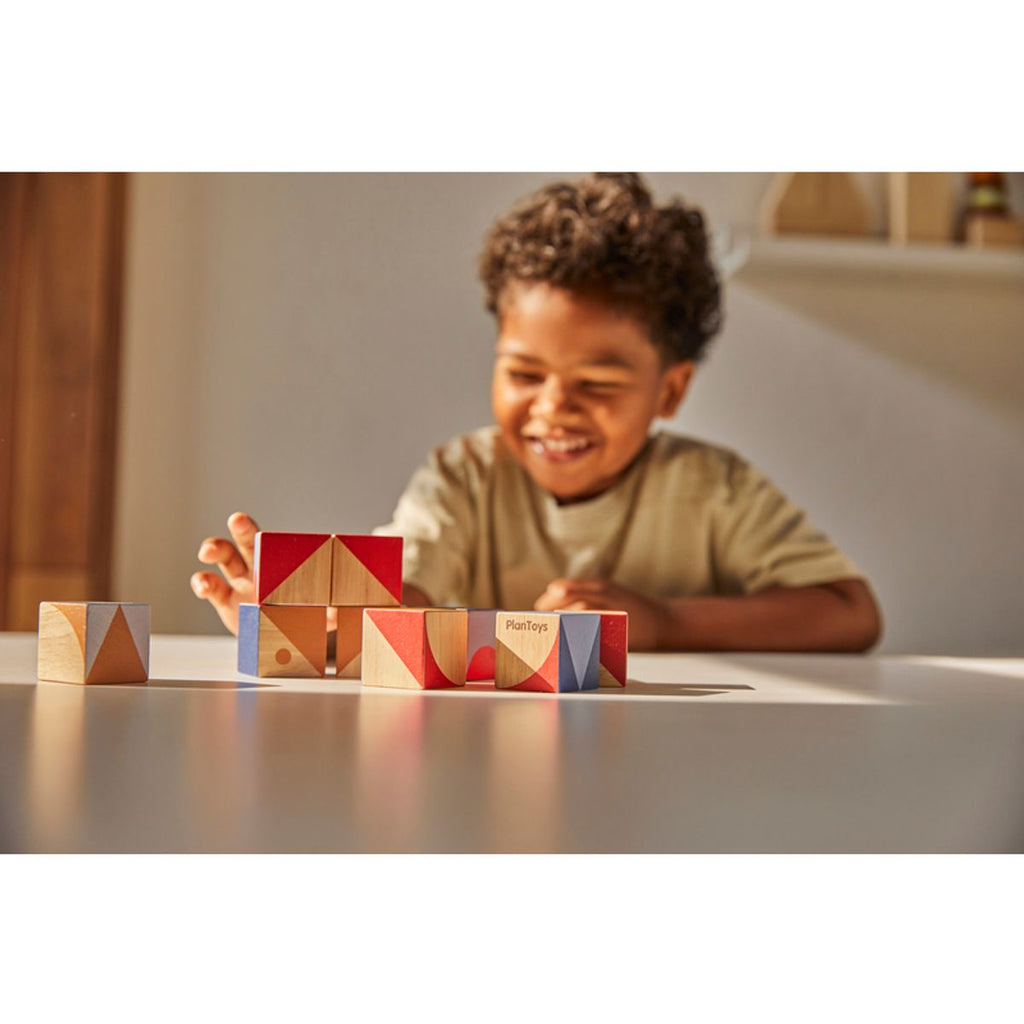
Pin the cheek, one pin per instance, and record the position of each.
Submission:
(505, 404)
(623, 421)
(499, 400)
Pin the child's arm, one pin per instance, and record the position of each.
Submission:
(841, 616)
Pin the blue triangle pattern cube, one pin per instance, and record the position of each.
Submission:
(579, 651)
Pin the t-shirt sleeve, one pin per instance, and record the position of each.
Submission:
(435, 518)
(761, 539)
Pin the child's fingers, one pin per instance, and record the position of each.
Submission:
(561, 594)
(220, 594)
(555, 599)
(570, 585)
(243, 529)
(222, 553)
(210, 587)
(557, 589)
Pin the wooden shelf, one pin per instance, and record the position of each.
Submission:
(742, 256)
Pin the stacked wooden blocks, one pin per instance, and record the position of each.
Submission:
(93, 642)
(297, 577)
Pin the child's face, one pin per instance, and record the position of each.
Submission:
(576, 387)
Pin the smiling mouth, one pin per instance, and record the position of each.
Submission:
(559, 449)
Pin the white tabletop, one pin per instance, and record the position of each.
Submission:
(700, 753)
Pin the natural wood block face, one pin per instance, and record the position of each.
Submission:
(550, 652)
(366, 571)
(414, 648)
(349, 650)
(480, 645)
(283, 641)
(292, 568)
(922, 207)
(93, 642)
(611, 670)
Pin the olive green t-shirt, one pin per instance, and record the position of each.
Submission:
(687, 519)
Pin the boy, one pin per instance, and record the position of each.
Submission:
(604, 303)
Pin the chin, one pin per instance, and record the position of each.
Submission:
(566, 492)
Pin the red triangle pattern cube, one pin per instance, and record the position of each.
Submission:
(414, 648)
(614, 648)
(366, 571)
(292, 568)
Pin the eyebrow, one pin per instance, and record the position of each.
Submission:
(609, 361)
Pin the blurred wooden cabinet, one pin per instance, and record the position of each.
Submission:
(61, 256)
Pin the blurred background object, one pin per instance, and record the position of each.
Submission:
(922, 207)
(815, 204)
(987, 221)
(61, 292)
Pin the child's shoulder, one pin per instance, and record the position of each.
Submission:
(681, 454)
(480, 447)
(467, 460)
(689, 469)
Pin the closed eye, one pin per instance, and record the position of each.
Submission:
(522, 377)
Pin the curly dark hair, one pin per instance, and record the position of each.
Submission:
(603, 238)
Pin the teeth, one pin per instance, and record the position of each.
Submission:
(561, 445)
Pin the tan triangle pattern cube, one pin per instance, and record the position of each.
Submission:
(348, 650)
(282, 641)
(93, 642)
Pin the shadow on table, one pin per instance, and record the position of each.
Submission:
(635, 688)
(200, 684)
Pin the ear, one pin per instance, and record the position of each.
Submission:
(675, 381)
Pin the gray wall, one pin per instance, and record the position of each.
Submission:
(295, 343)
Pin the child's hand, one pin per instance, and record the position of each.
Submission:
(235, 564)
(647, 616)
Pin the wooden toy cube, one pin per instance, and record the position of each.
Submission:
(551, 652)
(414, 648)
(348, 654)
(366, 571)
(93, 642)
(614, 645)
(282, 640)
(480, 644)
(292, 568)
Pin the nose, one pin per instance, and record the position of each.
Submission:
(552, 398)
